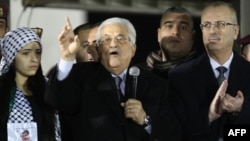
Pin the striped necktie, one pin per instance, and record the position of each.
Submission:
(118, 82)
(221, 76)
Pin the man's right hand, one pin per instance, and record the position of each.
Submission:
(216, 109)
(68, 42)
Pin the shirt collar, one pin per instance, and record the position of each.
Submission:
(215, 65)
(122, 75)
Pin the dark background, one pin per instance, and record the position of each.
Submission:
(146, 26)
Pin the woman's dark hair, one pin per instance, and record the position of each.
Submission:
(37, 85)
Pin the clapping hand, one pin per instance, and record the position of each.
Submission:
(233, 104)
(216, 109)
(224, 102)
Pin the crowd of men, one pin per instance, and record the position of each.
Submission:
(177, 94)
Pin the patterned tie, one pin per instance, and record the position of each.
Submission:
(221, 76)
(118, 82)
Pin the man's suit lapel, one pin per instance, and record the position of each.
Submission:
(238, 75)
(106, 89)
(205, 77)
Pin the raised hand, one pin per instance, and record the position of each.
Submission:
(68, 42)
(216, 109)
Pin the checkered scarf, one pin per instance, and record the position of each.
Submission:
(14, 41)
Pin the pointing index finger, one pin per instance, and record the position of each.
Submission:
(68, 24)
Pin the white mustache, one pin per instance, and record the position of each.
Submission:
(112, 50)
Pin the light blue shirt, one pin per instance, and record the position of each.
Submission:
(215, 65)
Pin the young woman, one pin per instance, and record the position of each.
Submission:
(22, 89)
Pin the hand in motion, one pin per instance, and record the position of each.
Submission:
(68, 42)
(233, 104)
(216, 109)
(224, 102)
(133, 109)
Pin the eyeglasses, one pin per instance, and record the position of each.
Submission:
(219, 25)
(120, 39)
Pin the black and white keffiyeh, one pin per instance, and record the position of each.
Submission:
(22, 111)
(12, 42)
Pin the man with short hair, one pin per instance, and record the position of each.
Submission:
(87, 36)
(102, 94)
(175, 38)
(212, 90)
(87, 52)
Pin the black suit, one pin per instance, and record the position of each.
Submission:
(90, 91)
(193, 85)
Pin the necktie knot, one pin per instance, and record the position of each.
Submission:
(221, 76)
(118, 82)
(221, 69)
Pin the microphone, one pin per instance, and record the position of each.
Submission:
(134, 72)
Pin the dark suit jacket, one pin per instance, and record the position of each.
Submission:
(192, 87)
(90, 91)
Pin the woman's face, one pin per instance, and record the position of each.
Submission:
(27, 60)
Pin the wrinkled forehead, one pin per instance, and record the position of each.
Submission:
(114, 30)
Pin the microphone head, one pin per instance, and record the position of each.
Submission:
(134, 71)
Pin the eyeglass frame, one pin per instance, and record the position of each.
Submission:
(220, 25)
(120, 41)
